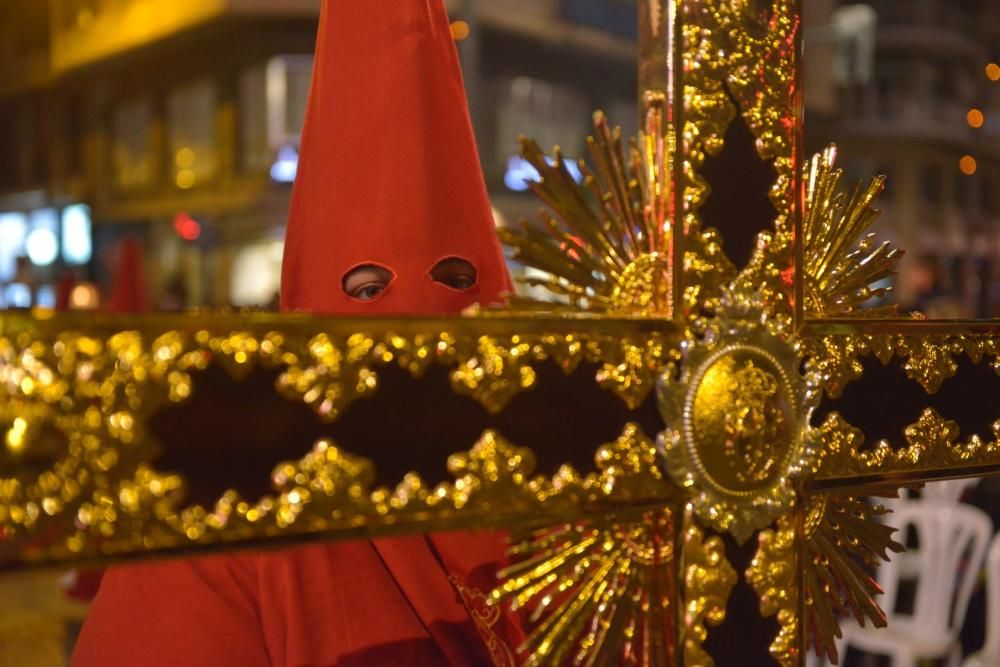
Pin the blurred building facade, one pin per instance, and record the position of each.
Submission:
(178, 122)
(909, 88)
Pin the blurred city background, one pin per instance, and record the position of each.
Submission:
(177, 124)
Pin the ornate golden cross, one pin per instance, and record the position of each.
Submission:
(124, 436)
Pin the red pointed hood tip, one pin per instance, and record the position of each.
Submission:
(128, 290)
(389, 174)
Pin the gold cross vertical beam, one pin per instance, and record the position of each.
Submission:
(661, 104)
(798, 158)
(661, 101)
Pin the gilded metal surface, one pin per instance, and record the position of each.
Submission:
(737, 49)
(842, 537)
(842, 260)
(773, 574)
(606, 245)
(76, 460)
(933, 451)
(929, 359)
(601, 591)
(736, 415)
(708, 582)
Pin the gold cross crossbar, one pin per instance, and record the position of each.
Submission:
(173, 434)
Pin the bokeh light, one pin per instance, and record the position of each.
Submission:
(42, 247)
(460, 30)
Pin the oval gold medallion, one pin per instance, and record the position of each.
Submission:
(740, 421)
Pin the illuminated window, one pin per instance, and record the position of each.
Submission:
(46, 297)
(13, 233)
(191, 122)
(77, 242)
(132, 144)
(42, 243)
(256, 274)
(521, 173)
(288, 81)
(17, 295)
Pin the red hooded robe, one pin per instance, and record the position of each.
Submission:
(388, 175)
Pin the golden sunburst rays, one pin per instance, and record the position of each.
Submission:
(844, 540)
(844, 265)
(843, 261)
(603, 243)
(600, 591)
(597, 593)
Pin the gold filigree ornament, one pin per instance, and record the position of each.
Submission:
(737, 415)
(708, 581)
(737, 408)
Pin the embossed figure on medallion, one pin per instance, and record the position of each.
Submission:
(739, 412)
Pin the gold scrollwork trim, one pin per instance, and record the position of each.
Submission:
(933, 447)
(929, 359)
(708, 582)
(772, 575)
(330, 492)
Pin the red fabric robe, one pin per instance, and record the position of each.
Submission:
(381, 602)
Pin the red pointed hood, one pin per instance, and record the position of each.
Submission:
(388, 173)
(64, 290)
(128, 291)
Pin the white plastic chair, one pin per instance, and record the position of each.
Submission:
(952, 544)
(950, 490)
(989, 655)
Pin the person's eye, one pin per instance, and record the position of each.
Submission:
(456, 273)
(459, 282)
(367, 282)
(369, 291)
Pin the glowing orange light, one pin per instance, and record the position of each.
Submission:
(187, 227)
(968, 165)
(993, 72)
(460, 30)
(975, 118)
(84, 296)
